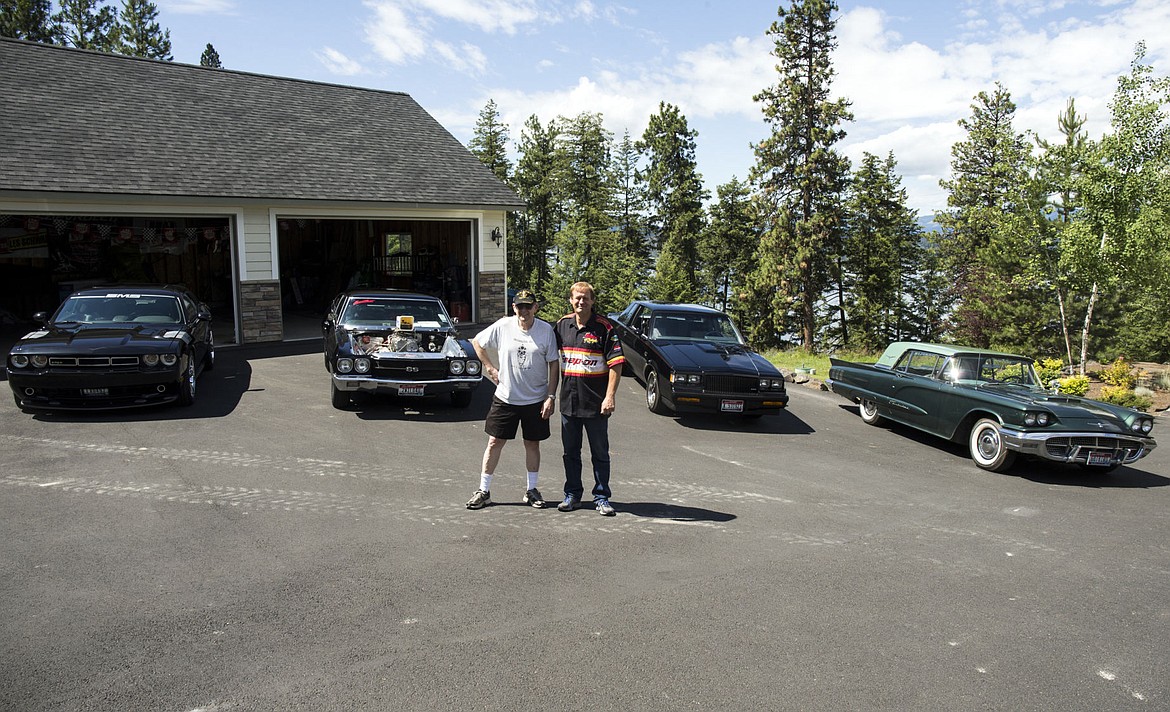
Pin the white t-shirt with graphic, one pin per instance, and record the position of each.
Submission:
(523, 358)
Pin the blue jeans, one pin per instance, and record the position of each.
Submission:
(597, 430)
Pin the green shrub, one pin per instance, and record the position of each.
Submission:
(1048, 369)
(1074, 385)
(1120, 374)
(1125, 397)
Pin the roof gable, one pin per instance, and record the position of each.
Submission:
(80, 121)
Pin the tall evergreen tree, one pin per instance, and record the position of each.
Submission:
(537, 180)
(989, 216)
(27, 20)
(489, 142)
(210, 58)
(882, 230)
(87, 24)
(630, 217)
(799, 173)
(728, 242)
(675, 195)
(139, 34)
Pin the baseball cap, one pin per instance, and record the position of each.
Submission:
(524, 296)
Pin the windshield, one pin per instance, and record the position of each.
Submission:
(384, 313)
(691, 326)
(119, 309)
(991, 369)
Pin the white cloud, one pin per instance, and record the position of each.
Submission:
(338, 63)
(198, 7)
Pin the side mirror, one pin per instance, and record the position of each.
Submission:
(1054, 386)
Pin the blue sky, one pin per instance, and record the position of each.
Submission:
(911, 69)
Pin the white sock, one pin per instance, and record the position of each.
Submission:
(485, 482)
(532, 476)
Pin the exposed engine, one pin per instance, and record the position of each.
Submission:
(404, 338)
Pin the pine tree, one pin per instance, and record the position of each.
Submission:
(630, 222)
(139, 34)
(675, 195)
(489, 142)
(87, 24)
(537, 180)
(210, 58)
(728, 242)
(27, 20)
(990, 217)
(882, 230)
(799, 174)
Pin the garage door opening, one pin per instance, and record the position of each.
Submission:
(43, 258)
(321, 257)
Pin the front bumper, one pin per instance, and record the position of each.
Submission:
(389, 386)
(109, 390)
(752, 404)
(1086, 448)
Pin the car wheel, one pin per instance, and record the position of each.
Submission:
(187, 383)
(869, 413)
(339, 398)
(987, 448)
(209, 358)
(654, 393)
(460, 399)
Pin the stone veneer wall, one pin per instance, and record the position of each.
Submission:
(492, 299)
(260, 312)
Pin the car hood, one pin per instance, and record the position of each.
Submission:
(101, 339)
(714, 358)
(1071, 411)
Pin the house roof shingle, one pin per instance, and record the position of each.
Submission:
(79, 121)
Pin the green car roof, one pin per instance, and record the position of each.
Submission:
(895, 350)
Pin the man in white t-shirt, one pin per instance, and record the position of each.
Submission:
(526, 387)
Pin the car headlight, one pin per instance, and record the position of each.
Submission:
(169, 359)
(777, 384)
(40, 361)
(19, 361)
(1040, 419)
(1147, 426)
(1142, 426)
(473, 368)
(344, 365)
(457, 367)
(150, 359)
(690, 378)
(361, 365)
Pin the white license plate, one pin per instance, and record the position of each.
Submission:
(731, 406)
(1100, 458)
(95, 391)
(410, 390)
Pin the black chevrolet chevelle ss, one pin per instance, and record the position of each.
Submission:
(396, 343)
(693, 359)
(114, 347)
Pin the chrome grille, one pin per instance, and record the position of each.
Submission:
(1077, 449)
(429, 370)
(92, 361)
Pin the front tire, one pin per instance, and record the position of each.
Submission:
(654, 394)
(187, 383)
(987, 447)
(869, 413)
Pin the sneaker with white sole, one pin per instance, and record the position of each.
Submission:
(604, 508)
(532, 497)
(569, 504)
(479, 500)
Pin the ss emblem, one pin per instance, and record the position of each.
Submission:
(412, 369)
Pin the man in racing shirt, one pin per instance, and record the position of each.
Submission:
(591, 366)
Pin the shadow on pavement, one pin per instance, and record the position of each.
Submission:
(678, 513)
(785, 423)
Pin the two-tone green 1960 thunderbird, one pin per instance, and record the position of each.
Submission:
(995, 402)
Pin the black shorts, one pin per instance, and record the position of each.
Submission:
(503, 419)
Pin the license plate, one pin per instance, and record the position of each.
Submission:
(95, 391)
(1100, 458)
(410, 390)
(731, 406)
